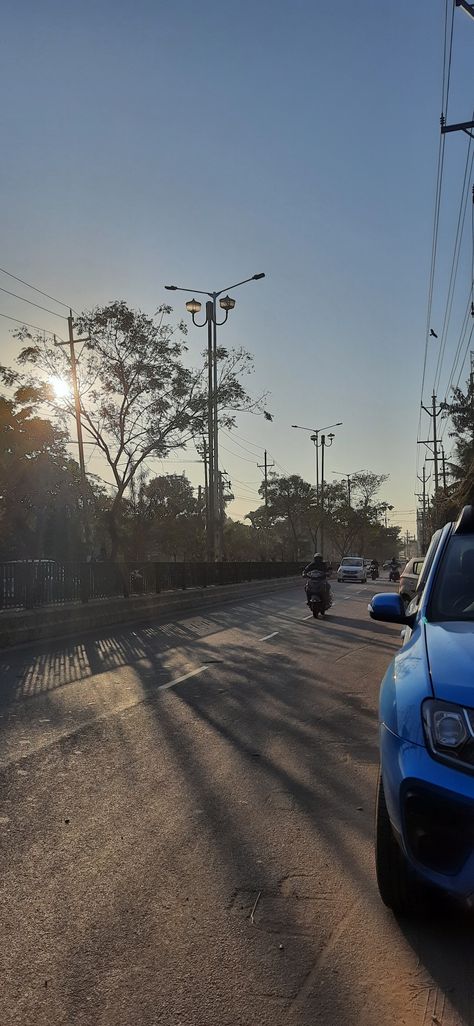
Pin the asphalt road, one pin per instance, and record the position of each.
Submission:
(186, 830)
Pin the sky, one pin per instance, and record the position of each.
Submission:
(149, 143)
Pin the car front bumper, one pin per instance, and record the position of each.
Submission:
(431, 808)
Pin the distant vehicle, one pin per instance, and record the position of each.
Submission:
(409, 578)
(425, 799)
(352, 568)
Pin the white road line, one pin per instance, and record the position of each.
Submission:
(310, 617)
(171, 683)
(268, 636)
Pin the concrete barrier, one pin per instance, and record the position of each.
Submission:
(47, 623)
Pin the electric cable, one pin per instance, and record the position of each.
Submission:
(31, 303)
(35, 289)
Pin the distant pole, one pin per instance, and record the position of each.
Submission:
(443, 465)
(323, 446)
(435, 441)
(266, 466)
(77, 407)
(77, 400)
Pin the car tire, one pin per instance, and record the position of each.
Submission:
(397, 884)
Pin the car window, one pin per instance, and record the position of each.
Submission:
(352, 561)
(452, 597)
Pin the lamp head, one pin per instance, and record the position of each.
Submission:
(171, 288)
(331, 435)
(227, 303)
(193, 306)
(256, 277)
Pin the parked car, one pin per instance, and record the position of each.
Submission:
(409, 579)
(352, 568)
(425, 797)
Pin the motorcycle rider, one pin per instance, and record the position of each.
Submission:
(393, 568)
(374, 569)
(320, 567)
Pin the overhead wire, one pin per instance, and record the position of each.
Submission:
(455, 262)
(31, 303)
(36, 327)
(447, 61)
(36, 289)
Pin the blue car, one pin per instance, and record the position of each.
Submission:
(425, 795)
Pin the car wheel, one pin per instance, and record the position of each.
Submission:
(398, 886)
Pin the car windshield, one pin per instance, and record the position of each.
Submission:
(351, 561)
(453, 592)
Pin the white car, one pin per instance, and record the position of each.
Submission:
(352, 568)
(409, 578)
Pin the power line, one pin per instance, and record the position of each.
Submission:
(35, 289)
(36, 327)
(455, 263)
(31, 303)
(236, 455)
(447, 55)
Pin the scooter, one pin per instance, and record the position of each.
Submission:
(373, 572)
(394, 575)
(318, 593)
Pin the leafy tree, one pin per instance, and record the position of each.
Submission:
(40, 495)
(166, 520)
(289, 517)
(138, 397)
(461, 411)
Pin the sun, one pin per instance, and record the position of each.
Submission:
(61, 388)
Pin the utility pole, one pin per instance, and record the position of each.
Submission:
(424, 480)
(433, 413)
(77, 407)
(266, 466)
(443, 465)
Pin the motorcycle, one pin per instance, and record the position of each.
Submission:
(373, 572)
(318, 592)
(394, 575)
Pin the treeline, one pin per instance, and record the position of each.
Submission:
(42, 513)
(140, 399)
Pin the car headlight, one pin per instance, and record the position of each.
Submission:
(449, 730)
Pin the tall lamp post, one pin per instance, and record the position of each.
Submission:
(315, 433)
(324, 444)
(193, 307)
(340, 473)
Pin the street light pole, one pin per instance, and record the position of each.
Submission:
(193, 307)
(324, 444)
(315, 432)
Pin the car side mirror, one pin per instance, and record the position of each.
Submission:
(390, 608)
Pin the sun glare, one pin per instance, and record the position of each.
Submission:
(62, 388)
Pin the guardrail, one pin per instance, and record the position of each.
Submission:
(25, 584)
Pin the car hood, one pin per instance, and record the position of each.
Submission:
(450, 648)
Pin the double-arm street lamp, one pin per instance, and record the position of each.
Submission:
(342, 473)
(193, 306)
(315, 433)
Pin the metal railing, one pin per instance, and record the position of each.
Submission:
(26, 584)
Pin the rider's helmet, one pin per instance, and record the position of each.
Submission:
(317, 555)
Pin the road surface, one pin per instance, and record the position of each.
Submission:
(186, 829)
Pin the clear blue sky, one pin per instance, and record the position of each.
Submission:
(151, 142)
